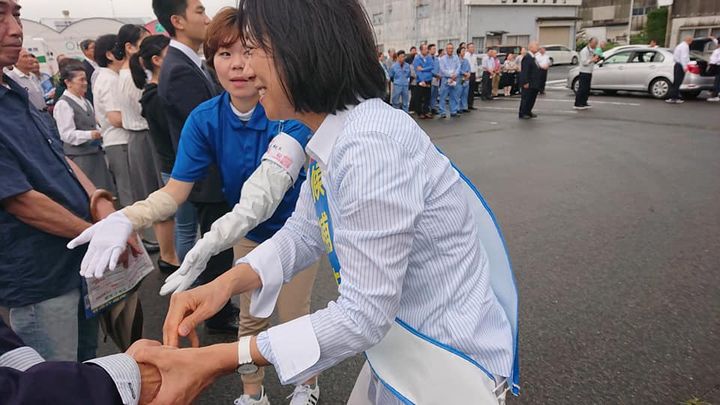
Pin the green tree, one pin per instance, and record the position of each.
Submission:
(657, 25)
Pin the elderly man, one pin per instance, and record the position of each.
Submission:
(529, 81)
(23, 76)
(44, 202)
(681, 55)
(588, 59)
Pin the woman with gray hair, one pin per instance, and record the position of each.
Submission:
(78, 128)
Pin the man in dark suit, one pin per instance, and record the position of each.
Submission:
(530, 81)
(25, 378)
(88, 49)
(185, 83)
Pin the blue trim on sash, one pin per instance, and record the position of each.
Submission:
(389, 387)
(515, 377)
(322, 211)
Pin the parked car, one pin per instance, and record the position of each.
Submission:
(560, 54)
(501, 57)
(644, 69)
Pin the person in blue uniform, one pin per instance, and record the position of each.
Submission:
(260, 164)
(400, 78)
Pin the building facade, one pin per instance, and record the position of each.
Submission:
(608, 19)
(697, 18)
(400, 24)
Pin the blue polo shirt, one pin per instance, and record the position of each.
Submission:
(34, 266)
(427, 64)
(213, 133)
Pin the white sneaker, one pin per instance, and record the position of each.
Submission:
(247, 400)
(305, 395)
(671, 101)
(713, 99)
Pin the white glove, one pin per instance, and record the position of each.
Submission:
(260, 196)
(108, 239)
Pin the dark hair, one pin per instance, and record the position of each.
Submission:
(311, 81)
(221, 33)
(412, 47)
(165, 9)
(103, 45)
(150, 47)
(461, 49)
(69, 69)
(129, 33)
(432, 46)
(85, 44)
(400, 52)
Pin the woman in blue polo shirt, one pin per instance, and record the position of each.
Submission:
(260, 164)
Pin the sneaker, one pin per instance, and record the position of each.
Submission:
(305, 395)
(588, 106)
(713, 99)
(679, 101)
(248, 400)
(580, 107)
(671, 101)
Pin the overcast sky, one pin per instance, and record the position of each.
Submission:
(37, 9)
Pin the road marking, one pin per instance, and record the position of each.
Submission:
(593, 101)
(555, 81)
(515, 109)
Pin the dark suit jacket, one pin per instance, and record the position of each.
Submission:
(530, 73)
(53, 382)
(182, 87)
(89, 69)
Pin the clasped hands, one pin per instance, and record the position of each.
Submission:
(174, 375)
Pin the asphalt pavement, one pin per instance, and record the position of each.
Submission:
(612, 220)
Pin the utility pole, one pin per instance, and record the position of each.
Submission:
(630, 18)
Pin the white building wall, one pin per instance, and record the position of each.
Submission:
(695, 26)
(518, 20)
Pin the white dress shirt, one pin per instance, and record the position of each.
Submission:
(31, 84)
(407, 243)
(65, 118)
(105, 99)
(715, 57)
(542, 60)
(488, 63)
(681, 54)
(187, 51)
(129, 102)
(472, 60)
(123, 370)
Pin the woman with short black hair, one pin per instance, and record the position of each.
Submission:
(425, 287)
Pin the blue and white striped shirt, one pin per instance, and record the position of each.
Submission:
(407, 244)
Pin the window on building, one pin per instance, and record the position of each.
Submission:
(377, 19)
(519, 40)
(715, 32)
(479, 43)
(423, 11)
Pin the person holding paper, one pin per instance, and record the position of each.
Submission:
(260, 164)
(425, 286)
(45, 200)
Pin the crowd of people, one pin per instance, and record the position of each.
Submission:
(429, 82)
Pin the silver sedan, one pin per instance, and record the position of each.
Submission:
(644, 69)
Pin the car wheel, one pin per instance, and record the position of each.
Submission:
(574, 60)
(691, 95)
(576, 85)
(659, 88)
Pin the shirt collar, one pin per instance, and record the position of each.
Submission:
(187, 51)
(78, 100)
(323, 141)
(19, 73)
(92, 63)
(258, 121)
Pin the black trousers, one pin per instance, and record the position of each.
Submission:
(422, 95)
(527, 101)
(581, 98)
(678, 77)
(543, 79)
(413, 97)
(486, 93)
(473, 89)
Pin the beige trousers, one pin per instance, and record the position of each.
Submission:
(293, 302)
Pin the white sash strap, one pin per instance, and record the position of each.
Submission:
(421, 372)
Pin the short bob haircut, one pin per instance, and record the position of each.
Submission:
(298, 35)
(103, 45)
(222, 32)
(70, 70)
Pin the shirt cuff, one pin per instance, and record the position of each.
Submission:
(294, 348)
(21, 358)
(125, 372)
(265, 261)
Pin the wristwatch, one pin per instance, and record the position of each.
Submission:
(245, 361)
